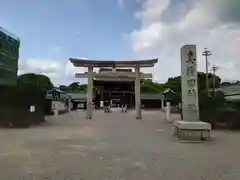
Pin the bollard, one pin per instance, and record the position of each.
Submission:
(162, 104)
(69, 105)
(55, 108)
(55, 112)
(168, 112)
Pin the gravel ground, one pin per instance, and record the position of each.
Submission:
(115, 146)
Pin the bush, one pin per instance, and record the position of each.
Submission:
(219, 112)
(209, 106)
(230, 114)
(15, 105)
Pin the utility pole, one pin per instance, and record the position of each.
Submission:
(207, 53)
(214, 69)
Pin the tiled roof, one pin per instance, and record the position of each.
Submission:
(168, 90)
(152, 96)
(233, 97)
(78, 95)
(230, 90)
(104, 63)
(56, 89)
(145, 96)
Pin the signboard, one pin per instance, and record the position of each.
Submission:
(190, 107)
(32, 109)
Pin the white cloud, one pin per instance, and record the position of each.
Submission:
(58, 72)
(201, 25)
(71, 70)
(121, 3)
(152, 10)
(146, 38)
(50, 68)
(43, 65)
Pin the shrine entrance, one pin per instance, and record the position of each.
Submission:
(115, 93)
(118, 81)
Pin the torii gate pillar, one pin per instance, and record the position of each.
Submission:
(89, 92)
(137, 93)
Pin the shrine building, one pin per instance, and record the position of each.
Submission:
(116, 82)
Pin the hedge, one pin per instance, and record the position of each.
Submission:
(219, 112)
(15, 105)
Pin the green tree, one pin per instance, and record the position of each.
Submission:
(174, 83)
(202, 81)
(37, 80)
(15, 100)
(83, 87)
(226, 83)
(151, 87)
(77, 87)
(74, 86)
(63, 88)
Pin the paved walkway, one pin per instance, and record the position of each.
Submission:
(114, 146)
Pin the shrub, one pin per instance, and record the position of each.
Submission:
(230, 114)
(219, 112)
(15, 105)
(209, 106)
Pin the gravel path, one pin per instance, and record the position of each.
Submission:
(115, 146)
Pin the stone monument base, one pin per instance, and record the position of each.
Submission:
(186, 130)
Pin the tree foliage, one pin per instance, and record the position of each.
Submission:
(174, 83)
(74, 87)
(35, 80)
(63, 87)
(15, 101)
(230, 83)
(148, 86)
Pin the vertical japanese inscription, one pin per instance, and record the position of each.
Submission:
(189, 83)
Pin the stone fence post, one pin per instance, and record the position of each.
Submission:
(168, 112)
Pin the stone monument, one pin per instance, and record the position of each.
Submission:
(189, 84)
(190, 126)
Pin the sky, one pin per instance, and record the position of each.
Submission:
(53, 31)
